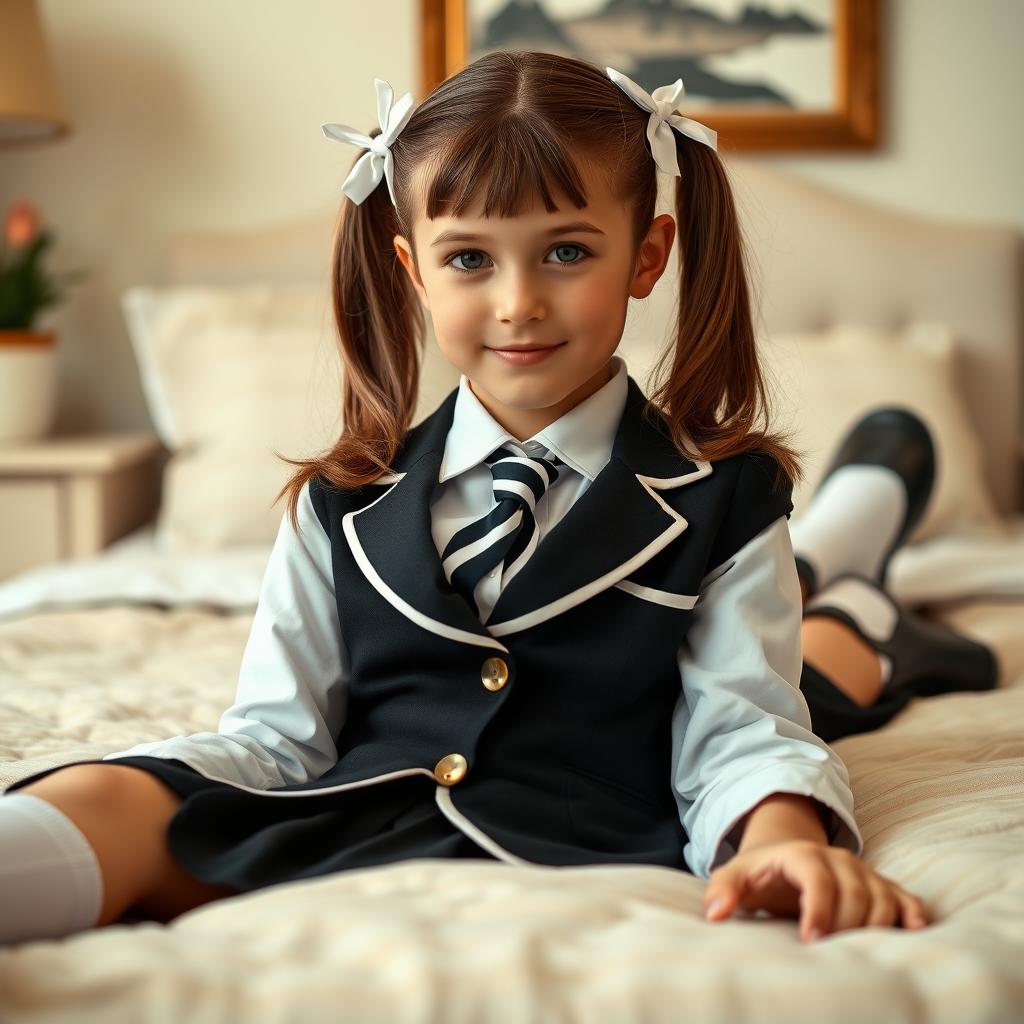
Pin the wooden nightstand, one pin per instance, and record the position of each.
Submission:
(69, 497)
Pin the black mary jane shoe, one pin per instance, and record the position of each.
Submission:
(898, 439)
(928, 658)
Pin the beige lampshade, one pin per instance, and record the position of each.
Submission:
(30, 106)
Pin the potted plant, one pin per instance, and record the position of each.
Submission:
(28, 357)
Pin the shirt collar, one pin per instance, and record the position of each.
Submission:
(582, 438)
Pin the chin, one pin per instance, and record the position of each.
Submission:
(526, 394)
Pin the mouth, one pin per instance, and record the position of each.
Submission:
(527, 355)
(527, 348)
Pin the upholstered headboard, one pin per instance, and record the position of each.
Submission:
(823, 257)
(816, 257)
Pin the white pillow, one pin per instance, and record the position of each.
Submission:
(231, 374)
(824, 381)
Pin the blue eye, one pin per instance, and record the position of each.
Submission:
(584, 255)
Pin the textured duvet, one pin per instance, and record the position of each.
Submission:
(939, 797)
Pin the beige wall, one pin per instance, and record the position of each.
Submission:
(206, 114)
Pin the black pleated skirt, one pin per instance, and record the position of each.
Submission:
(228, 836)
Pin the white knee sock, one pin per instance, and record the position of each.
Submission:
(874, 613)
(50, 881)
(851, 522)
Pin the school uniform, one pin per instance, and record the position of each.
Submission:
(628, 696)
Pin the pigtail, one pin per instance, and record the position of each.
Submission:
(381, 332)
(380, 326)
(715, 391)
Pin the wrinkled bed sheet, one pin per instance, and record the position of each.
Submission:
(939, 796)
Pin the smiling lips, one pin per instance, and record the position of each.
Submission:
(526, 356)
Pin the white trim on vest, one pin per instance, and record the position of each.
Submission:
(575, 597)
(443, 799)
(413, 614)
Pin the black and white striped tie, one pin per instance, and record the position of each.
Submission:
(509, 531)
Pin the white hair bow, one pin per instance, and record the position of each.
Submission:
(662, 102)
(378, 163)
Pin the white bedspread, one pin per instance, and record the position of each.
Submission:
(939, 796)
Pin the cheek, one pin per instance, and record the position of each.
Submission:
(446, 304)
(459, 314)
(450, 302)
(598, 304)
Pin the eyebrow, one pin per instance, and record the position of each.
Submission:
(460, 236)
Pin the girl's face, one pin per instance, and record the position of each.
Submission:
(559, 279)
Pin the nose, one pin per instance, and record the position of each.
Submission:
(519, 299)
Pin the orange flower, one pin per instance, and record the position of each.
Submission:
(22, 224)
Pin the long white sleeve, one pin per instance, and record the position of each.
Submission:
(742, 729)
(292, 689)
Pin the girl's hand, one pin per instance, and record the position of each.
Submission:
(827, 887)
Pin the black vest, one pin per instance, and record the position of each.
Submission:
(548, 729)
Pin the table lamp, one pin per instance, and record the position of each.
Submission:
(31, 112)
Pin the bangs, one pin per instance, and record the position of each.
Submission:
(509, 164)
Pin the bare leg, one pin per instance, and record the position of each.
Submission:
(835, 650)
(123, 812)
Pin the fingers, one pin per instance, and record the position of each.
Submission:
(731, 888)
(883, 906)
(818, 894)
(914, 913)
(723, 895)
(801, 884)
(858, 892)
(867, 899)
(835, 891)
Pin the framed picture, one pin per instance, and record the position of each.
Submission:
(777, 75)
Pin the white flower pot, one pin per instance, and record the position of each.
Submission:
(28, 384)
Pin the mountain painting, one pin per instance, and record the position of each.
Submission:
(777, 55)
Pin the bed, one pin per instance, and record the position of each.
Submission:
(858, 305)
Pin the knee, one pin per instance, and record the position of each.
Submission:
(123, 813)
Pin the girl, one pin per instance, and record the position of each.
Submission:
(553, 623)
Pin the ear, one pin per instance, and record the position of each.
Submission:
(653, 256)
(403, 248)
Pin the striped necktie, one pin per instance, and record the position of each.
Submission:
(509, 531)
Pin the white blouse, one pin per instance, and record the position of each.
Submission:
(741, 729)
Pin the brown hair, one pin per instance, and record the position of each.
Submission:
(541, 113)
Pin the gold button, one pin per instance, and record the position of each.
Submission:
(450, 769)
(494, 673)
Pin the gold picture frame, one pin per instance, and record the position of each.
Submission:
(852, 124)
